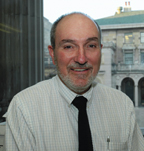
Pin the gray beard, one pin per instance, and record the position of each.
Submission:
(69, 83)
(76, 88)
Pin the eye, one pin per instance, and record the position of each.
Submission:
(67, 47)
(92, 46)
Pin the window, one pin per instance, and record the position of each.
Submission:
(45, 62)
(142, 37)
(128, 38)
(142, 56)
(128, 88)
(50, 60)
(128, 57)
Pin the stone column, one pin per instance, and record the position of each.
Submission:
(119, 87)
(136, 96)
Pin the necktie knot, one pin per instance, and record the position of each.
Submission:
(80, 102)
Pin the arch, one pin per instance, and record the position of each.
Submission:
(141, 92)
(127, 86)
(123, 77)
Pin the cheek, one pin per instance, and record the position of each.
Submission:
(95, 62)
(95, 59)
(63, 59)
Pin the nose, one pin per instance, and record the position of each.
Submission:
(81, 56)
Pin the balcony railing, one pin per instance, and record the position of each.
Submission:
(127, 67)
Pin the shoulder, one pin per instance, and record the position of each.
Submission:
(106, 89)
(41, 87)
(35, 94)
(101, 87)
(113, 101)
(33, 99)
(111, 95)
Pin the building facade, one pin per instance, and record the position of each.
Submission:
(123, 53)
(49, 68)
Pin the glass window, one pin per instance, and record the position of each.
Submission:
(21, 48)
(128, 38)
(142, 37)
(128, 58)
(128, 88)
(50, 60)
(142, 57)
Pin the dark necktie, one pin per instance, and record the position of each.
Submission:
(85, 140)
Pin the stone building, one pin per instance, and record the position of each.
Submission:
(122, 65)
(49, 68)
(47, 28)
(123, 53)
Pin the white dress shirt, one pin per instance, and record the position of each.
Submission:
(42, 118)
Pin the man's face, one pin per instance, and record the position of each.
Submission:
(77, 53)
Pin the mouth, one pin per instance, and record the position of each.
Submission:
(79, 70)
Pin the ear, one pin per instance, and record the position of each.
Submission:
(51, 52)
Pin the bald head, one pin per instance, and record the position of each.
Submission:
(72, 18)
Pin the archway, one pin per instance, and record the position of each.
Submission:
(141, 92)
(128, 88)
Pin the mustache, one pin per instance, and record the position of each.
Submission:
(77, 65)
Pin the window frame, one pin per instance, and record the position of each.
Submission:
(142, 37)
(141, 52)
(129, 40)
(128, 52)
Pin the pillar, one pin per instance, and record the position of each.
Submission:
(119, 87)
(136, 96)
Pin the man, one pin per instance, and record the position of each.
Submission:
(44, 117)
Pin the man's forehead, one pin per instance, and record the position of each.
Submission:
(76, 18)
(76, 27)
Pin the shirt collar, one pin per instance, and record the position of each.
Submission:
(70, 95)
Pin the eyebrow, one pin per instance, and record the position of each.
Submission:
(73, 41)
(92, 39)
(67, 40)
